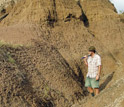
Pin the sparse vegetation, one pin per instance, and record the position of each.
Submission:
(9, 44)
(10, 59)
(121, 11)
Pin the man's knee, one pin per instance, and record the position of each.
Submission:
(90, 89)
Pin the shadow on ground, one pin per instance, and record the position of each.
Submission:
(105, 83)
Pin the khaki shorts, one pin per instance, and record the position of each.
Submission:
(91, 82)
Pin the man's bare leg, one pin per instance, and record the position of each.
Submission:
(91, 91)
(96, 91)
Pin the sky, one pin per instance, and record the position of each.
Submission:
(119, 5)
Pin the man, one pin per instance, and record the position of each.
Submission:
(93, 62)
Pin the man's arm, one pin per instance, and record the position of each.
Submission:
(85, 61)
(99, 70)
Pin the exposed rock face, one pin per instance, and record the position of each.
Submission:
(47, 69)
(43, 11)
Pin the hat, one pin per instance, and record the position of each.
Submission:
(92, 48)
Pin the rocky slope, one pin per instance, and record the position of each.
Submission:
(43, 66)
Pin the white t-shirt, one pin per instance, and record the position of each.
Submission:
(93, 63)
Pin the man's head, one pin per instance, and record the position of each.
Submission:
(92, 50)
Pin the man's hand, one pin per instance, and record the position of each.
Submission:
(85, 60)
(85, 56)
(97, 77)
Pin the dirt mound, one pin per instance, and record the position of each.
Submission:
(29, 77)
(55, 35)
